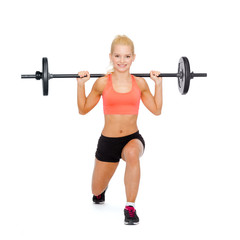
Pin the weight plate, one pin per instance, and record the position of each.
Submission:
(184, 80)
(45, 76)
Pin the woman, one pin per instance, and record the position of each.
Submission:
(120, 137)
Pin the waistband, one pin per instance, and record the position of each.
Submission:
(121, 138)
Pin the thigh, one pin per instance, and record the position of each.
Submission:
(132, 149)
(102, 173)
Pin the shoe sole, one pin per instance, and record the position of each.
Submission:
(98, 202)
(131, 223)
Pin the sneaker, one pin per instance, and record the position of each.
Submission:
(131, 217)
(100, 199)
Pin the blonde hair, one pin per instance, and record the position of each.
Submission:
(120, 40)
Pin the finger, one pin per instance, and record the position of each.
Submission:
(81, 75)
(84, 74)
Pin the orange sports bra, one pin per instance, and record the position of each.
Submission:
(121, 103)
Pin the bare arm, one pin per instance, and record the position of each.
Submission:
(152, 103)
(86, 104)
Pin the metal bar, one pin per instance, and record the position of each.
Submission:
(199, 74)
(74, 75)
(97, 75)
(28, 76)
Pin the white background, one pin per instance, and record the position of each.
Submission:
(190, 169)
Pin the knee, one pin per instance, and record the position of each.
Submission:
(132, 156)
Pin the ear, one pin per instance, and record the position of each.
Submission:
(110, 57)
(134, 56)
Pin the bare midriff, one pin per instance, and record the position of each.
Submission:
(119, 125)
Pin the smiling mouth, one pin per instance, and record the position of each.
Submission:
(122, 65)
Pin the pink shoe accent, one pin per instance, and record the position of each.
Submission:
(131, 210)
(99, 196)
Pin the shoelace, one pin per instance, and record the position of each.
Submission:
(131, 211)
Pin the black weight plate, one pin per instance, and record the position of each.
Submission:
(45, 76)
(184, 80)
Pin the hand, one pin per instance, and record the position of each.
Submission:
(154, 76)
(84, 76)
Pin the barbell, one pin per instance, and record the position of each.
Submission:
(184, 75)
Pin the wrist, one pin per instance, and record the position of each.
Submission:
(158, 83)
(81, 83)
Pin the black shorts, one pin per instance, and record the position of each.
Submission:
(109, 149)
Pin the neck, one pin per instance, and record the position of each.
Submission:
(121, 75)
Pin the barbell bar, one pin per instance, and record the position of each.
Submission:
(184, 75)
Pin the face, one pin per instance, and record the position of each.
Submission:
(122, 58)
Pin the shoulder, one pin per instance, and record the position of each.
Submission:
(142, 84)
(100, 84)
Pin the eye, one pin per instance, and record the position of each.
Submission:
(117, 56)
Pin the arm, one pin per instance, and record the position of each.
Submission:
(152, 103)
(86, 104)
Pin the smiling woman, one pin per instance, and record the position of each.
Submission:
(122, 58)
(123, 41)
(120, 137)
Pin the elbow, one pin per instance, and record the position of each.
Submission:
(82, 112)
(157, 113)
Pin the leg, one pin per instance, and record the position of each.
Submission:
(103, 172)
(131, 154)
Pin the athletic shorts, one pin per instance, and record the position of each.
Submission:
(109, 149)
